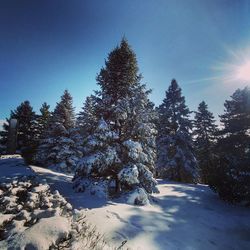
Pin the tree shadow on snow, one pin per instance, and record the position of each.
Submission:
(187, 217)
(13, 167)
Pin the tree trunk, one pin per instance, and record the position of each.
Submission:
(117, 185)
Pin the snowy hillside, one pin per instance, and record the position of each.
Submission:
(180, 216)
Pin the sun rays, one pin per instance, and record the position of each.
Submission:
(236, 69)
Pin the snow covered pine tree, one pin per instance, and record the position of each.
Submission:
(122, 148)
(204, 134)
(61, 147)
(176, 159)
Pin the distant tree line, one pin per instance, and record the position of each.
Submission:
(120, 137)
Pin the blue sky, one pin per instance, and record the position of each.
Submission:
(48, 46)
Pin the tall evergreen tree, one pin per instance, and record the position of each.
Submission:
(124, 106)
(60, 148)
(64, 111)
(87, 118)
(44, 118)
(231, 174)
(176, 159)
(204, 133)
(40, 126)
(120, 73)
(138, 133)
(25, 137)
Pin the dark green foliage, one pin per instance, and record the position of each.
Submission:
(87, 119)
(26, 131)
(176, 159)
(231, 174)
(39, 126)
(26, 118)
(204, 136)
(25, 136)
(64, 111)
(43, 120)
(120, 72)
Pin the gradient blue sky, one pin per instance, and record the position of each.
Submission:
(48, 46)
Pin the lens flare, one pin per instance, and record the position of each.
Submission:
(243, 72)
(236, 68)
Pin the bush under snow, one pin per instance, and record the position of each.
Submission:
(32, 217)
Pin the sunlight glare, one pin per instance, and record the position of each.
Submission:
(235, 70)
(243, 72)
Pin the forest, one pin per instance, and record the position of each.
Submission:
(120, 143)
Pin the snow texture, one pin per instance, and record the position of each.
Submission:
(181, 217)
(42, 235)
(31, 216)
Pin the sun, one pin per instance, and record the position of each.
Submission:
(243, 72)
(235, 70)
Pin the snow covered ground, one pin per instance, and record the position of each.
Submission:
(181, 217)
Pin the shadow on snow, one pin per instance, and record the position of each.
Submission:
(189, 217)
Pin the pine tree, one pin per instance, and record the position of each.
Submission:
(87, 119)
(138, 137)
(43, 119)
(60, 148)
(25, 137)
(176, 159)
(204, 133)
(64, 111)
(120, 73)
(231, 174)
(124, 106)
(40, 126)
(64, 148)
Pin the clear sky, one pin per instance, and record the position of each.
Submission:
(48, 46)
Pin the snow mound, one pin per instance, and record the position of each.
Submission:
(47, 232)
(32, 217)
(138, 197)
